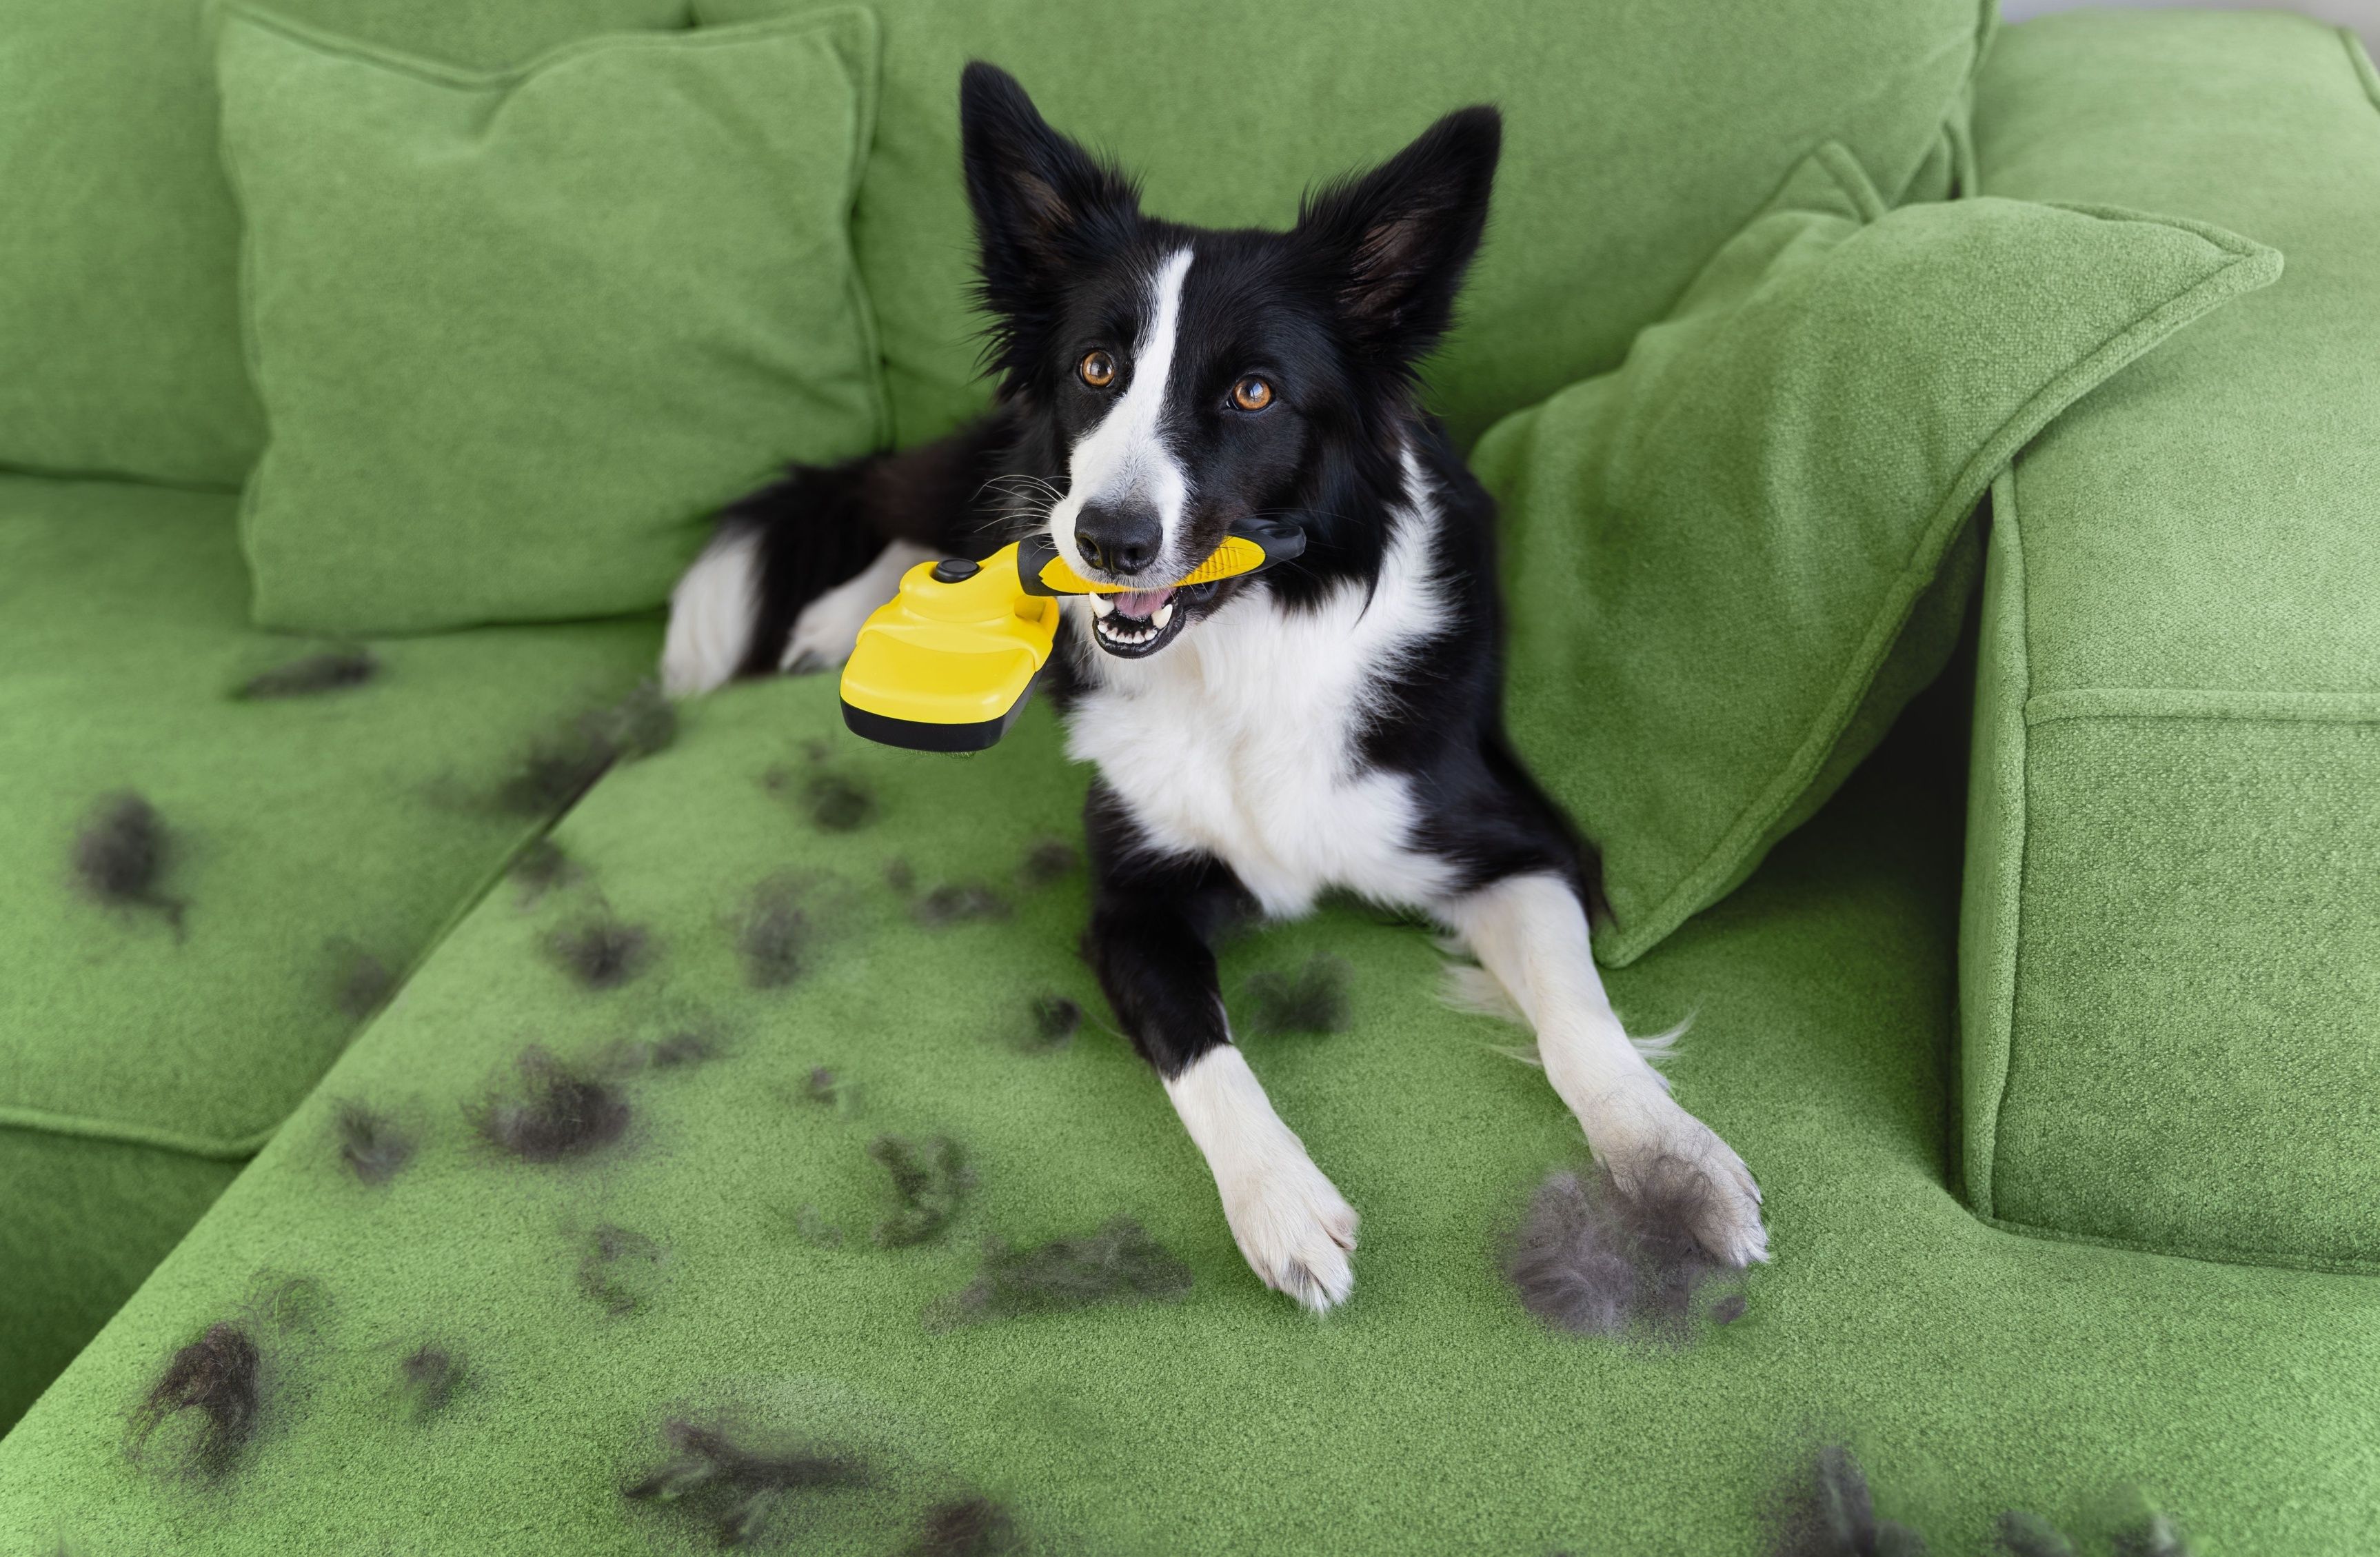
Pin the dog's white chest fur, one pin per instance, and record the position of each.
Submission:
(1240, 739)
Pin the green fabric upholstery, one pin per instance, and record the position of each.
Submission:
(1635, 145)
(517, 334)
(1974, 1370)
(119, 318)
(306, 833)
(1730, 562)
(2171, 988)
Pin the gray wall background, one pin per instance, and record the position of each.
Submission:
(2361, 14)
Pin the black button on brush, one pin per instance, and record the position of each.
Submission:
(955, 570)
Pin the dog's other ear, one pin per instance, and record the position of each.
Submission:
(1394, 242)
(1041, 202)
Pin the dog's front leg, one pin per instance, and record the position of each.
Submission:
(1147, 943)
(1530, 933)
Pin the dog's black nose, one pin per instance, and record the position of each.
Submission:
(1119, 538)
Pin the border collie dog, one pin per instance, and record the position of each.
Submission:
(1330, 724)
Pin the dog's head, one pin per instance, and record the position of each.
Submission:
(1186, 379)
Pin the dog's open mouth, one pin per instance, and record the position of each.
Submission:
(1140, 622)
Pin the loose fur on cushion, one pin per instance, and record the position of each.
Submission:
(122, 854)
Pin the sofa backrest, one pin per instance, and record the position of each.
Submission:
(1638, 136)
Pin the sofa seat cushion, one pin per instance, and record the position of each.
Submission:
(315, 845)
(2172, 980)
(722, 1241)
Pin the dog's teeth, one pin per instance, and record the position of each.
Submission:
(1164, 618)
(1102, 606)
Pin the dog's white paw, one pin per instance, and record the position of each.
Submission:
(1656, 1149)
(710, 618)
(828, 628)
(1293, 1228)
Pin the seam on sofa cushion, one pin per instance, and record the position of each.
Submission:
(2359, 58)
(2213, 1254)
(2185, 702)
(2006, 911)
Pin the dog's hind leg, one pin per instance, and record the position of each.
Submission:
(1530, 933)
(1150, 919)
(795, 568)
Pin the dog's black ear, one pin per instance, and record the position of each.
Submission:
(1041, 202)
(1394, 242)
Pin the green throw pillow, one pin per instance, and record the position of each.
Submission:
(1731, 561)
(517, 333)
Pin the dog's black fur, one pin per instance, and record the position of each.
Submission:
(1341, 311)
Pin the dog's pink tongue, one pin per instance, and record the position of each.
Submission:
(1142, 603)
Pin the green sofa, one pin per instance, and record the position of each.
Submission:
(2054, 1038)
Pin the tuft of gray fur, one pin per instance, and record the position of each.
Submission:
(329, 670)
(928, 1182)
(1594, 1259)
(2154, 1535)
(738, 1491)
(373, 1146)
(956, 903)
(1831, 1513)
(901, 876)
(777, 933)
(2028, 1535)
(599, 954)
(541, 866)
(552, 1111)
(557, 769)
(974, 1526)
(428, 1378)
(1049, 860)
(621, 1270)
(122, 854)
(219, 1379)
(1311, 999)
(1120, 1263)
(364, 982)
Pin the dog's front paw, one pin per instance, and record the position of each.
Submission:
(1294, 1228)
(1676, 1167)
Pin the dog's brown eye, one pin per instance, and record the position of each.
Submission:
(1252, 394)
(1097, 369)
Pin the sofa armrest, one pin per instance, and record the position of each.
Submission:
(2171, 980)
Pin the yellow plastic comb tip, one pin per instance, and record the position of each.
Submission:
(1233, 557)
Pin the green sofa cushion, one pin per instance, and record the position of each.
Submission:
(306, 835)
(2171, 993)
(1730, 562)
(119, 316)
(1636, 140)
(1972, 1369)
(518, 333)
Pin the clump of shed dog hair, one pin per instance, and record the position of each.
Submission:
(122, 854)
(825, 1087)
(835, 800)
(362, 983)
(550, 1112)
(2028, 1535)
(1047, 1024)
(1830, 1512)
(778, 932)
(428, 1378)
(928, 1182)
(968, 1526)
(373, 1145)
(1049, 860)
(901, 876)
(326, 670)
(602, 953)
(2146, 1530)
(218, 1394)
(1592, 1259)
(1308, 999)
(741, 1491)
(218, 1379)
(957, 903)
(622, 1269)
(541, 868)
(559, 767)
(1120, 1263)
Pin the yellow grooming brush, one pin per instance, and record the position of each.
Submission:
(947, 664)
